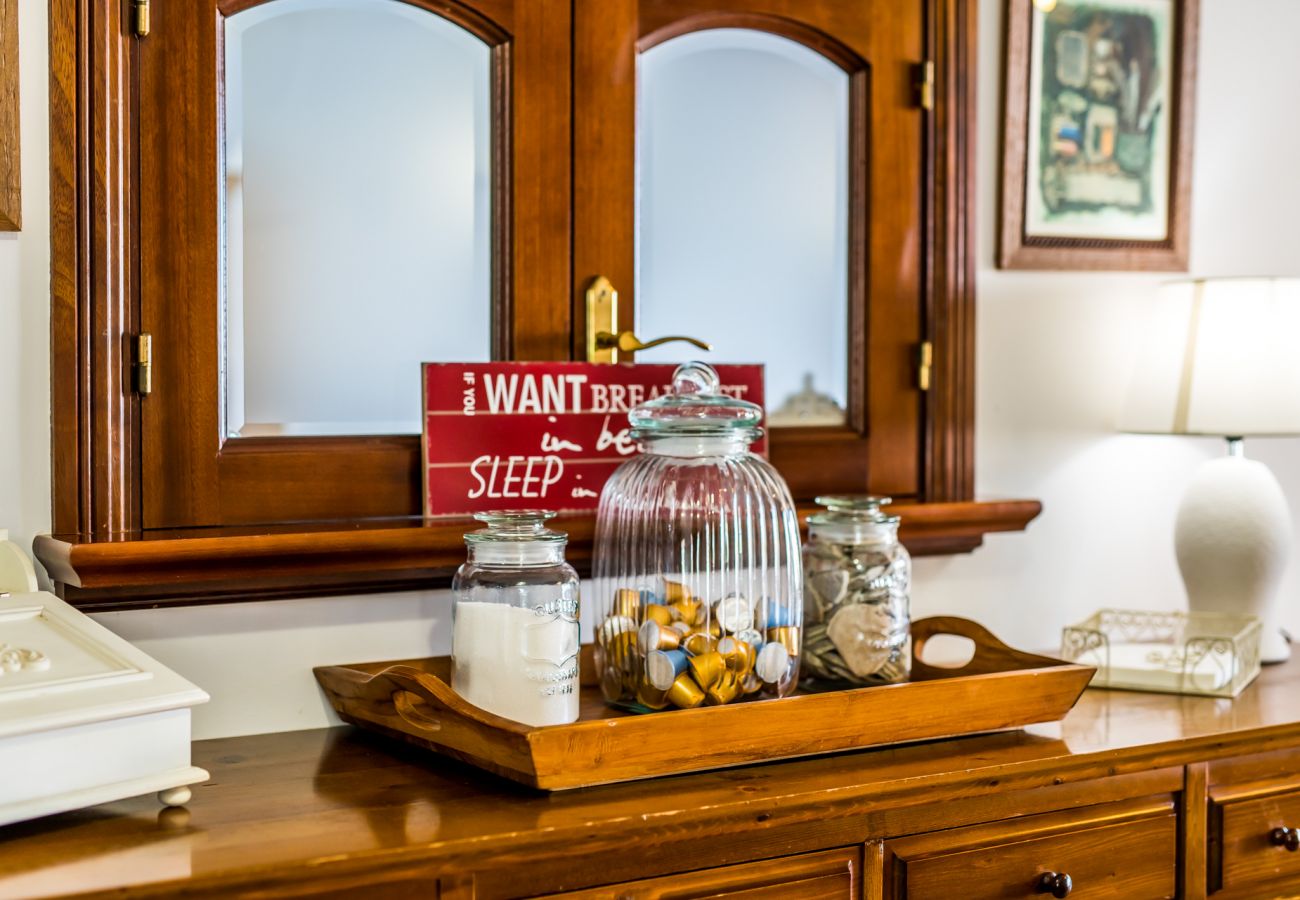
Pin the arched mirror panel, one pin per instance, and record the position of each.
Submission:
(357, 213)
(742, 230)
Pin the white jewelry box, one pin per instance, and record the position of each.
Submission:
(85, 717)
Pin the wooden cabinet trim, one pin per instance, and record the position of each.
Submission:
(249, 563)
(95, 307)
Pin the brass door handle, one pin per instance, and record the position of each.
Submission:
(604, 343)
(627, 342)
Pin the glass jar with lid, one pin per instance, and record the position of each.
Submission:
(857, 593)
(697, 574)
(515, 620)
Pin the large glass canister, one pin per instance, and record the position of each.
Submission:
(857, 592)
(696, 571)
(514, 645)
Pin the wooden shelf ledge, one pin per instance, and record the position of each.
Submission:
(217, 565)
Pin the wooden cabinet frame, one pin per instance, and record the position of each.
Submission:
(99, 555)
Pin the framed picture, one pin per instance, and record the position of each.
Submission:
(1097, 134)
(10, 218)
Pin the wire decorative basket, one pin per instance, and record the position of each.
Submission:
(1202, 654)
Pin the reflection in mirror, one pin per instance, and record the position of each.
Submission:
(357, 155)
(742, 220)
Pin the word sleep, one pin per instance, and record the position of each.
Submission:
(514, 476)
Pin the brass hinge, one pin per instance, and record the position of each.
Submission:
(925, 84)
(141, 18)
(924, 365)
(142, 370)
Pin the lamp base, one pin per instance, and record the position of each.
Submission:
(1233, 539)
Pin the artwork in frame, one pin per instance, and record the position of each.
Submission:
(10, 218)
(1097, 134)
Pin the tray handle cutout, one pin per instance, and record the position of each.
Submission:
(426, 702)
(991, 655)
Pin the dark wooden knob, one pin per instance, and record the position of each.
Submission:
(1058, 884)
(1285, 837)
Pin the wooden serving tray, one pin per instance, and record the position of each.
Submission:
(998, 689)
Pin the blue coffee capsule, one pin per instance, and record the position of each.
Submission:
(663, 666)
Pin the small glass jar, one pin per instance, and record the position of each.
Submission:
(696, 565)
(857, 595)
(514, 646)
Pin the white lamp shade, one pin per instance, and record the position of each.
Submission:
(1220, 357)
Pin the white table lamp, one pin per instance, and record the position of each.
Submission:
(1223, 358)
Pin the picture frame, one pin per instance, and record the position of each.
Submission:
(10, 177)
(1097, 133)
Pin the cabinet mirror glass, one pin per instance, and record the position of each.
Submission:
(742, 219)
(357, 213)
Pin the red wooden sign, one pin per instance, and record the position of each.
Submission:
(540, 435)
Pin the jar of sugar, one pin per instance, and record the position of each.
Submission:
(514, 645)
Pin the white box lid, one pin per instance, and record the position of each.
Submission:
(60, 668)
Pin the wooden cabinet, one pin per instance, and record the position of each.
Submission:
(1125, 850)
(1133, 797)
(814, 876)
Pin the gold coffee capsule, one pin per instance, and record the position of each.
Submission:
(726, 690)
(661, 614)
(707, 669)
(674, 591)
(622, 651)
(651, 697)
(612, 626)
(627, 602)
(751, 684)
(688, 610)
(654, 636)
(698, 643)
(685, 693)
(787, 636)
(681, 628)
(739, 655)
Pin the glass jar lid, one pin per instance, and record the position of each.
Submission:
(853, 509)
(696, 406)
(517, 536)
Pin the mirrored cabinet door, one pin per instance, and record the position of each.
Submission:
(770, 203)
(334, 191)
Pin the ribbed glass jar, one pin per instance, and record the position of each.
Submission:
(697, 574)
(857, 586)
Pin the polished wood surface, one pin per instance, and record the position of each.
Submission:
(813, 876)
(11, 218)
(290, 810)
(997, 689)
(1257, 840)
(1122, 851)
(1017, 250)
(174, 566)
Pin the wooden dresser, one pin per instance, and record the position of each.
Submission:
(1132, 796)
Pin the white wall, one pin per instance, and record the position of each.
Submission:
(1054, 352)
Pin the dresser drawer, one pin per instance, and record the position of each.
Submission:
(1126, 851)
(832, 875)
(1248, 844)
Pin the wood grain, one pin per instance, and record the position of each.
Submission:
(998, 688)
(123, 109)
(11, 206)
(1118, 851)
(1193, 832)
(294, 813)
(1018, 250)
(173, 566)
(832, 875)
(1248, 857)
